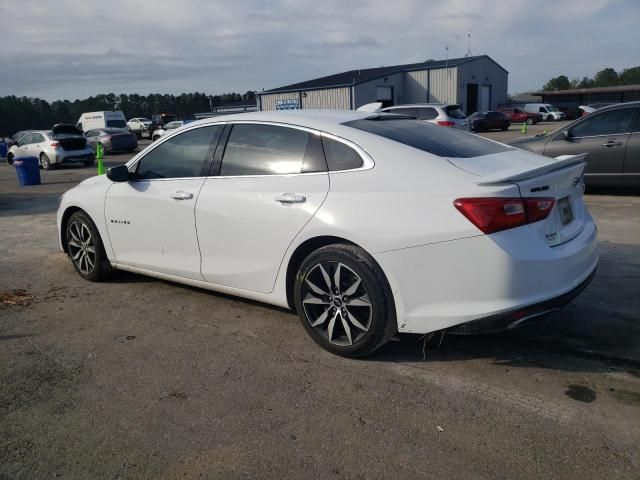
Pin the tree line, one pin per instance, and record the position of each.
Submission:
(607, 77)
(29, 113)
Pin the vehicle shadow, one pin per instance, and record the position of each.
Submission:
(14, 204)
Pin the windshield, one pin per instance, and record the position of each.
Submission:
(551, 108)
(443, 142)
(454, 111)
(144, 120)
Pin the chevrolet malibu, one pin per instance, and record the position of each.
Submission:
(366, 224)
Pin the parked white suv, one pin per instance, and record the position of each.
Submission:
(443, 114)
(548, 112)
(141, 127)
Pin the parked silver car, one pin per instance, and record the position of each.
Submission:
(443, 114)
(62, 144)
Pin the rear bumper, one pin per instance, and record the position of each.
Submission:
(72, 156)
(517, 317)
(497, 276)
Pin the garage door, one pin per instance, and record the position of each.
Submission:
(384, 94)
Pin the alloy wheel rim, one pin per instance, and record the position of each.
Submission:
(82, 248)
(336, 303)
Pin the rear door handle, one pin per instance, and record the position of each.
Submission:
(290, 198)
(181, 195)
(612, 143)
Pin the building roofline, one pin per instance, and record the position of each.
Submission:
(393, 70)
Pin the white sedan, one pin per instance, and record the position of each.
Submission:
(366, 224)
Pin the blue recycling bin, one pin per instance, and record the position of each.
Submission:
(28, 170)
(3, 149)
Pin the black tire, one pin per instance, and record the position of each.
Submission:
(505, 128)
(550, 118)
(530, 121)
(44, 162)
(10, 159)
(89, 163)
(364, 336)
(75, 237)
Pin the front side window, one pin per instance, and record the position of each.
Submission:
(340, 156)
(254, 149)
(606, 123)
(182, 156)
(26, 140)
(543, 110)
(403, 111)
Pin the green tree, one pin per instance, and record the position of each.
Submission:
(557, 83)
(606, 78)
(630, 76)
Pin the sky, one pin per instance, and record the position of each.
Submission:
(68, 49)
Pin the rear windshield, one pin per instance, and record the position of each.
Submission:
(115, 130)
(441, 141)
(116, 123)
(454, 111)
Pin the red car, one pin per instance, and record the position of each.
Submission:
(518, 115)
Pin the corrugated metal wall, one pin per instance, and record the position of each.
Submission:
(269, 101)
(444, 82)
(333, 98)
(328, 98)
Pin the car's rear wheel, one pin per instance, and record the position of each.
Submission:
(45, 162)
(85, 248)
(343, 300)
(89, 163)
(10, 159)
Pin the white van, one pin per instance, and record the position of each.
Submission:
(548, 112)
(89, 121)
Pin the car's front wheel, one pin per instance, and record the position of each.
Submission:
(85, 248)
(10, 159)
(529, 121)
(344, 301)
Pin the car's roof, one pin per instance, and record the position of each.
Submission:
(616, 106)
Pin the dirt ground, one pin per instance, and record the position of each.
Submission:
(143, 379)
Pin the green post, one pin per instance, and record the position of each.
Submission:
(544, 132)
(523, 130)
(99, 157)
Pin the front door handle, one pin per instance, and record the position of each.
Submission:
(181, 195)
(612, 143)
(290, 198)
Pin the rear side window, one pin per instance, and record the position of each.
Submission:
(271, 150)
(182, 156)
(454, 111)
(605, 123)
(340, 156)
(427, 113)
(444, 142)
(402, 111)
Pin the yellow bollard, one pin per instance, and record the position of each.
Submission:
(99, 157)
(523, 130)
(544, 132)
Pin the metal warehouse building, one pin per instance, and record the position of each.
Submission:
(570, 100)
(477, 83)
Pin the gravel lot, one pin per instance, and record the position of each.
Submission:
(143, 379)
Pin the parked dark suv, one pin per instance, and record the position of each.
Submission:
(611, 138)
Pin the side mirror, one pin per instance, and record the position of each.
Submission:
(567, 135)
(118, 174)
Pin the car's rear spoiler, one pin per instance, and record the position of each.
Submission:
(518, 174)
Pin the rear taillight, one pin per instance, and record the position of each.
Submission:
(445, 123)
(494, 214)
(55, 144)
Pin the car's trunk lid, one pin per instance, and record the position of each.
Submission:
(538, 177)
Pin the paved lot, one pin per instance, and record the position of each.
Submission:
(515, 131)
(143, 379)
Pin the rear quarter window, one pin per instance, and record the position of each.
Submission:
(440, 141)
